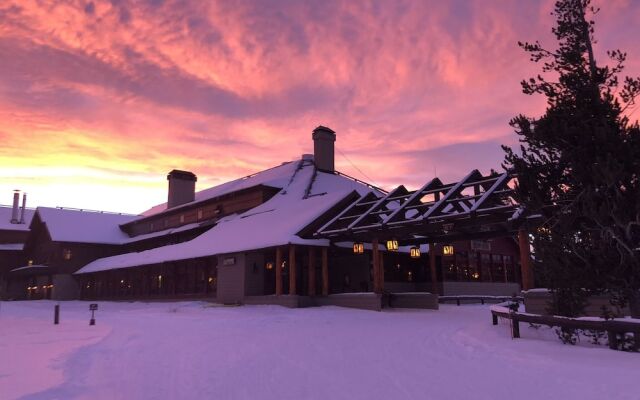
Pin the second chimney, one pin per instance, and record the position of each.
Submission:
(16, 207)
(323, 148)
(182, 187)
(24, 206)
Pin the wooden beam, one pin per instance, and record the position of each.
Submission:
(312, 271)
(432, 268)
(325, 271)
(375, 254)
(292, 269)
(525, 259)
(278, 267)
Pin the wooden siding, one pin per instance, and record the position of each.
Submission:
(231, 203)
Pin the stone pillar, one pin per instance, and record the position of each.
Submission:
(525, 259)
(278, 267)
(312, 271)
(292, 269)
(325, 271)
(432, 268)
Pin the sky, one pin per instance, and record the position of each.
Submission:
(99, 100)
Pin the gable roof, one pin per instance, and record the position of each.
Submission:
(305, 195)
(276, 177)
(5, 219)
(82, 226)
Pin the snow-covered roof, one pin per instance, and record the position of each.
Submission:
(29, 267)
(11, 246)
(306, 194)
(82, 226)
(5, 219)
(276, 177)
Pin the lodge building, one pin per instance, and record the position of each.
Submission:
(274, 237)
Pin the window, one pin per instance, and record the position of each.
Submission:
(151, 226)
(200, 214)
(66, 254)
(182, 218)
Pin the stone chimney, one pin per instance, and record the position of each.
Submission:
(323, 148)
(182, 187)
(16, 207)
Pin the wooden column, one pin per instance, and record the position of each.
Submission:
(312, 271)
(375, 255)
(432, 268)
(292, 269)
(381, 272)
(525, 259)
(278, 268)
(325, 271)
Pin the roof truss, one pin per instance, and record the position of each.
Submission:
(475, 203)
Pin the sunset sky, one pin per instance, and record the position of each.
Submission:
(99, 100)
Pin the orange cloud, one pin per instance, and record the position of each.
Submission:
(98, 100)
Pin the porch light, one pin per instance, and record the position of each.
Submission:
(447, 250)
(414, 252)
(269, 266)
(358, 248)
(392, 245)
(30, 263)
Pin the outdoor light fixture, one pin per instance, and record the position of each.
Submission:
(447, 250)
(358, 248)
(392, 245)
(414, 252)
(269, 266)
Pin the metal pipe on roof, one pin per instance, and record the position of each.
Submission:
(24, 206)
(14, 211)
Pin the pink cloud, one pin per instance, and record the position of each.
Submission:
(115, 94)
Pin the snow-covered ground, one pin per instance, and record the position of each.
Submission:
(192, 350)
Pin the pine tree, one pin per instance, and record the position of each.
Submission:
(578, 166)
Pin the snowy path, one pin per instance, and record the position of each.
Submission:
(192, 351)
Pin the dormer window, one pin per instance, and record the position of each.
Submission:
(66, 254)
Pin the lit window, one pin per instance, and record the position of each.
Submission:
(66, 254)
(30, 263)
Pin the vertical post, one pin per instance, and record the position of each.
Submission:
(613, 340)
(381, 272)
(432, 268)
(278, 267)
(375, 254)
(494, 319)
(292, 269)
(56, 314)
(312, 271)
(515, 326)
(325, 271)
(525, 259)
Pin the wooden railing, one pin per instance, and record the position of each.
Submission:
(612, 327)
(480, 298)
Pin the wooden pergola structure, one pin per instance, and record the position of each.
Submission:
(476, 207)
